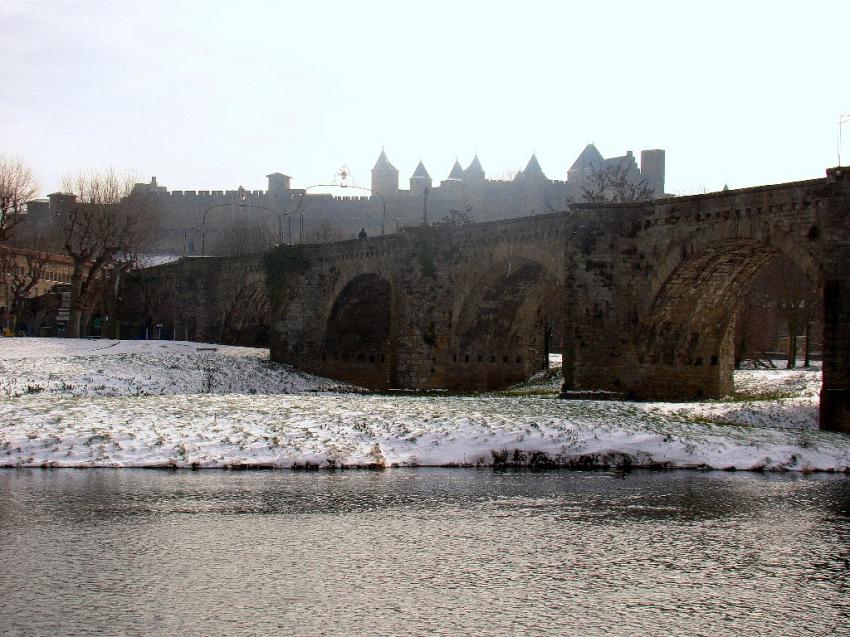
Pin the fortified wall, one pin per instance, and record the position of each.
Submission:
(196, 222)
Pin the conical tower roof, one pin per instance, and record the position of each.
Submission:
(457, 171)
(420, 172)
(474, 169)
(533, 167)
(590, 157)
(383, 164)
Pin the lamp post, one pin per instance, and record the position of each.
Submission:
(842, 119)
(343, 185)
(247, 204)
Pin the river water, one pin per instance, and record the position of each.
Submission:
(422, 551)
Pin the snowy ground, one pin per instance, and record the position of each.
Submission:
(79, 367)
(72, 403)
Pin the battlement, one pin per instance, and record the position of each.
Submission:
(219, 194)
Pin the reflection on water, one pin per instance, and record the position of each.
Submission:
(423, 552)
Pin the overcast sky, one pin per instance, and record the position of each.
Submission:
(218, 94)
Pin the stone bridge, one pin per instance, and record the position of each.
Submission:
(640, 297)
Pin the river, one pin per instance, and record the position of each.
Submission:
(423, 551)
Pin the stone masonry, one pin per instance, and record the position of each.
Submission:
(642, 296)
(639, 297)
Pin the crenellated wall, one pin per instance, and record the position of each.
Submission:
(193, 221)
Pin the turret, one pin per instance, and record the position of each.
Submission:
(474, 172)
(420, 180)
(533, 171)
(535, 181)
(385, 176)
(457, 172)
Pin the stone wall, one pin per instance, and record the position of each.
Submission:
(658, 283)
(434, 281)
(206, 299)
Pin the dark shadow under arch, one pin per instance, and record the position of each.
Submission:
(507, 326)
(357, 340)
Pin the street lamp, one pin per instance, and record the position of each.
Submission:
(842, 119)
(342, 185)
(243, 197)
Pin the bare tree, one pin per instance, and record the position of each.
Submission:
(17, 186)
(325, 232)
(241, 238)
(509, 174)
(459, 217)
(781, 300)
(22, 270)
(612, 182)
(104, 229)
(756, 326)
(799, 300)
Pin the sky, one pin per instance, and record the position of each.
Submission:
(214, 95)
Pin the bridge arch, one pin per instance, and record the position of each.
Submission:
(357, 340)
(757, 235)
(509, 319)
(689, 338)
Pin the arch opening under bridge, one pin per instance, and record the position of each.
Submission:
(509, 323)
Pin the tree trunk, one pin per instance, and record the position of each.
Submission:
(792, 350)
(74, 309)
(807, 352)
(114, 324)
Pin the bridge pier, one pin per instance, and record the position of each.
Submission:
(835, 390)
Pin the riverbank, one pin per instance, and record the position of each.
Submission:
(188, 405)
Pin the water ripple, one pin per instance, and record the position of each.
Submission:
(442, 552)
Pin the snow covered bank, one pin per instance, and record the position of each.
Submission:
(259, 425)
(79, 367)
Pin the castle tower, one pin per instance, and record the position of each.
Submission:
(452, 186)
(385, 176)
(60, 204)
(419, 180)
(588, 161)
(457, 172)
(535, 181)
(533, 171)
(279, 184)
(474, 172)
(652, 169)
(473, 181)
